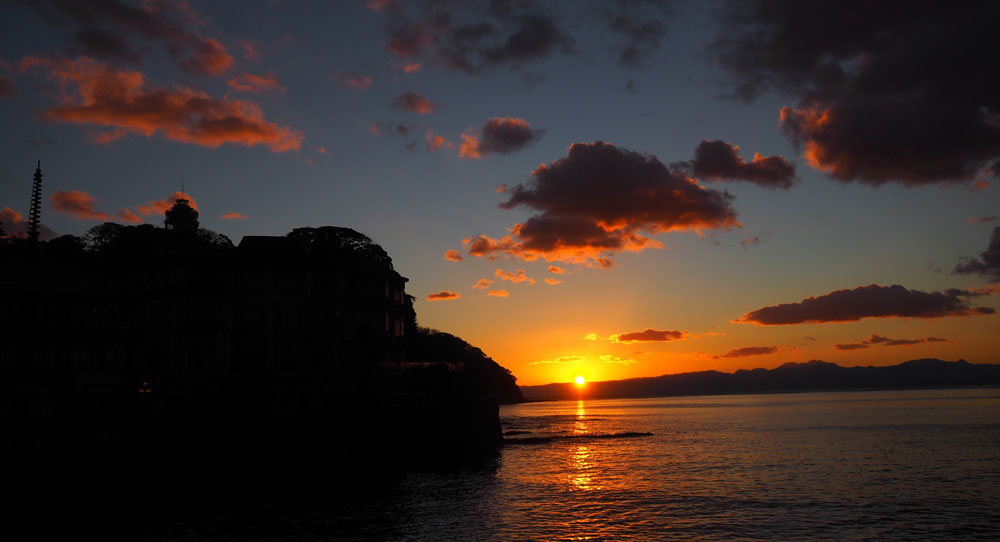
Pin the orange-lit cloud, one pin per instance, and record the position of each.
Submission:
(513, 276)
(982, 219)
(872, 301)
(552, 281)
(251, 49)
(6, 87)
(378, 5)
(560, 359)
(988, 263)
(590, 337)
(601, 199)
(106, 138)
(354, 80)
(234, 216)
(443, 295)
(13, 226)
(556, 270)
(453, 255)
(749, 351)
(719, 160)
(126, 216)
(412, 68)
(78, 204)
(498, 293)
(607, 358)
(435, 142)
(108, 96)
(9, 216)
(248, 82)
(979, 184)
(158, 207)
(499, 135)
(649, 335)
(322, 150)
(414, 103)
(109, 30)
(483, 283)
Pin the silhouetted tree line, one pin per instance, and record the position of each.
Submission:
(484, 374)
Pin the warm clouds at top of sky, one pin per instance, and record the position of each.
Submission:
(567, 184)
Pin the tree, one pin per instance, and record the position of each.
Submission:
(340, 243)
(214, 239)
(102, 236)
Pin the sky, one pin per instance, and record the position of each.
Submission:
(610, 189)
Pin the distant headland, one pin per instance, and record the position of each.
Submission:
(815, 375)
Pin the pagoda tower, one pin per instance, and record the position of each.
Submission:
(182, 219)
(35, 211)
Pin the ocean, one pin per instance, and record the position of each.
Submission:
(867, 465)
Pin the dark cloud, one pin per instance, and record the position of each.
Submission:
(499, 135)
(886, 341)
(751, 241)
(749, 351)
(108, 29)
(121, 100)
(414, 103)
(872, 301)
(718, 160)
(601, 199)
(474, 37)
(886, 91)
(380, 128)
(641, 24)
(988, 264)
(649, 335)
(353, 80)
(6, 87)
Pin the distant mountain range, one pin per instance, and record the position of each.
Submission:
(815, 375)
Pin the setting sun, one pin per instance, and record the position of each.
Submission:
(580, 380)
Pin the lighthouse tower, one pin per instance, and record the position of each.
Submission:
(35, 210)
(182, 219)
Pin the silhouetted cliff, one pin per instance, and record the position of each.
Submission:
(813, 375)
(486, 376)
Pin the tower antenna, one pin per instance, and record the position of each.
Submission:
(35, 210)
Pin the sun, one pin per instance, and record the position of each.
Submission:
(580, 380)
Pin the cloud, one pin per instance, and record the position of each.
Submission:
(648, 335)
(379, 128)
(886, 92)
(886, 341)
(980, 184)
(6, 87)
(641, 25)
(601, 199)
(554, 269)
(411, 68)
(498, 293)
(107, 96)
(552, 281)
(560, 359)
(414, 103)
(982, 219)
(590, 337)
(453, 255)
(499, 135)
(353, 80)
(751, 241)
(988, 264)
(443, 295)
(159, 207)
(435, 142)
(872, 301)
(513, 276)
(474, 37)
(850, 346)
(78, 204)
(248, 82)
(108, 29)
(607, 358)
(718, 160)
(749, 351)
(482, 284)
(13, 226)
(234, 216)
(126, 216)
